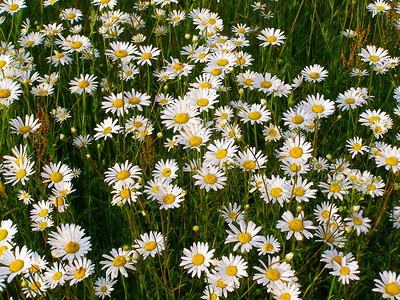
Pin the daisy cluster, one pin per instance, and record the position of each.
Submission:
(217, 120)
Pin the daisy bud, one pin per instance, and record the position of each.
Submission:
(196, 228)
(289, 256)
(339, 117)
(187, 36)
(135, 255)
(263, 102)
(356, 208)
(195, 38)
(247, 207)
(143, 213)
(166, 87)
(214, 262)
(231, 69)
(88, 156)
(328, 157)
(241, 91)
(239, 137)
(128, 258)
(126, 247)
(103, 90)
(24, 283)
(299, 208)
(159, 134)
(228, 163)
(120, 204)
(348, 229)
(98, 146)
(73, 130)
(396, 186)
(140, 180)
(62, 136)
(184, 192)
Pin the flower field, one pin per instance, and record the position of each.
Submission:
(175, 149)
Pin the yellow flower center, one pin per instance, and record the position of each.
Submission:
(314, 75)
(16, 265)
(119, 261)
(178, 66)
(357, 221)
(255, 115)
(43, 225)
(4, 93)
(122, 175)
(221, 284)
(297, 119)
(43, 212)
(216, 72)
(210, 179)
(21, 174)
(169, 199)
(335, 188)
(211, 21)
(195, 141)
(248, 82)
(205, 85)
(249, 165)
(266, 84)
(25, 129)
(268, 247)
(244, 238)
(392, 289)
(349, 100)
(121, 53)
(231, 271)
(103, 289)
(392, 161)
(43, 92)
(276, 192)
(107, 130)
(233, 216)
(273, 274)
(83, 84)
(285, 296)
(380, 8)
(337, 259)
(329, 238)
(317, 109)
(71, 16)
(181, 118)
(222, 62)
(80, 273)
(118, 103)
(125, 193)
(296, 225)
(13, 7)
(344, 271)
(374, 58)
(221, 153)
(326, 214)
(296, 152)
(3, 234)
(371, 187)
(57, 275)
(146, 55)
(299, 192)
(356, 146)
(198, 259)
(150, 246)
(35, 286)
(56, 177)
(2, 63)
(72, 247)
(76, 45)
(295, 168)
(272, 133)
(240, 61)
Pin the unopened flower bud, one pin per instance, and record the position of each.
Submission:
(159, 134)
(356, 208)
(289, 256)
(73, 130)
(24, 283)
(135, 255)
(88, 156)
(241, 91)
(187, 36)
(299, 208)
(196, 228)
(247, 207)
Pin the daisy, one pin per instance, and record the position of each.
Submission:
(128, 72)
(297, 118)
(55, 275)
(197, 259)
(179, 113)
(145, 54)
(105, 4)
(301, 189)
(358, 73)
(295, 226)
(354, 146)
(9, 91)
(71, 14)
(69, 242)
(359, 223)
(275, 190)
(350, 99)
(136, 99)
(282, 290)
(210, 177)
(151, 243)
(231, 269)
(121, 50)
(30, 125)
(120, 174)
(12, 6)
(246, 237)
(7, 232)
(116, 104)
(19, 173)
(78, 270)
(378, 7)
(314, 73)
(232, 213)
(31, 40)
(325, 212)
(272, 133)
(166, 169)
(296, 151)
(82, 141)
(336, 188)
(55, 173)
(372, 55)
(106, 128)
(318, 106)
(194, 136)
(271, 36)
(25, 197)
(220, 152)
(274, 272)
(388, 285)
(116, 263)
(13, 263)
(346, 271)
(84, 83)
(390, 159)
(268, 245)
(170, 196)
(176, 16)
(203, 99)
(332, 236)
(250, 160)
(104, 286)
(40, 210)
(256, 113)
